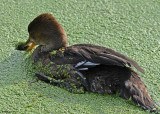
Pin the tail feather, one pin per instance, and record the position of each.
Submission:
(135, 89)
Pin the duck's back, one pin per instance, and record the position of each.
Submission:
(98, 55)
(83, 55)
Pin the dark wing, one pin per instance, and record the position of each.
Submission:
(131, 86)
(94, 55)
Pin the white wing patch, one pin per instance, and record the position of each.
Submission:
(91, 64)
(80, 63)
(83, 65)
(83, 69)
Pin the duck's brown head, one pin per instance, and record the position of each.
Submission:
(45, 30)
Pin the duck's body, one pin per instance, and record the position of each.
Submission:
(84, 67)
(96, 69)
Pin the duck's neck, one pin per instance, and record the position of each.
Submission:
(59, 44)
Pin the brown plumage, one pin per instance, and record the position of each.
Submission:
(83, 67)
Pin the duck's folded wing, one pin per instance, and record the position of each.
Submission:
(100, 55)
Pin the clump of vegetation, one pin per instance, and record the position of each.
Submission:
(60, 75)
(53, 52)
(44, 69)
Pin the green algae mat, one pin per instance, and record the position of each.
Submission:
(131, 27)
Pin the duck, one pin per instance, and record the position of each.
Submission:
(83, 67)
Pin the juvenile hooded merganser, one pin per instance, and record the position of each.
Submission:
(83, 67)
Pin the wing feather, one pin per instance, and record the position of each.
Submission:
(102, 55)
